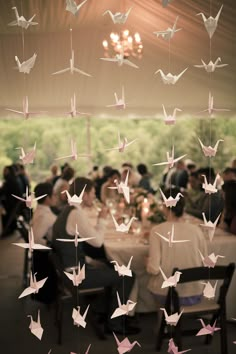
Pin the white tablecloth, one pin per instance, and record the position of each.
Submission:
(121, 247)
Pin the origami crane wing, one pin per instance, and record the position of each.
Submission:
(126, 193)
(115, 222)
(131, 142)
(16, 196)
(128, 62)
(40, 197)
(82, 72)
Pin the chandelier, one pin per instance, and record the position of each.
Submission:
(131, 45)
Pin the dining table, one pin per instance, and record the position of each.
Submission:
(121, 246)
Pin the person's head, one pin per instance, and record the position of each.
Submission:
(68, 173)
(229, 174)
(178, 210)
(233, 163)
(180, 165)
(89, 193)
(142, 169)
(194, 181)
(113, 175)
(209, 172)
(229, 189)
(8, 172)
(44, 188)
(54, 170)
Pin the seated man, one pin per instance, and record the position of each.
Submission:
(95, 276)
(183, 255)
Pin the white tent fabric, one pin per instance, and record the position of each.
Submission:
(145, 92)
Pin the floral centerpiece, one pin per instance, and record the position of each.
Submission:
(140, 200)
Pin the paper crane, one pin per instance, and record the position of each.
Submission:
(73, 111)
(123, 270)
(25, 112)
(120, 59)
(77, 239)
(123, 187)
(173, 349)
(123, 309)
(207, 329)
(72, 7)
(21, 21)
(165, 3)
(72, 69)
(210, 261)
(208, 187)
(210, 151)
(27, 65)
(169, 32)
(170, 238)
(173, 319)
(170, 79)
(78, 277)
(211, 108)
(170, 119)
(122, 145)
(211, 22)
(79, 320)
(34, 286)
(210, 67)
(118, 17)
(125, 346)
(171, 281)
(75, 199)
(210, 226)
(120, 103)
(31, 245)
(29, 198)
(35, 327)
(28, 157)
(170, 159)
(123, 227)
(171, 202)
(74, 155)
(209, 290)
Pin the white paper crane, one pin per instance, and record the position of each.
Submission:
(29, 198)
(79, 320)
(210, 110)
(77, 238)
(26, 65)
(73, 111)
(173, 319)
(123, 187)
(27, 157)
(209, 290)
(171, 281)
(120, 102)
(123, 270)
(210, 67)
(171, 160)
(210, 226)
(210, 151)
(35, 326)
(211, 22)
(87, 351)
(170, 201)
(122, 144)
(72, 69)
(210, 260)
(207, 329)
(72, 7)
(123, 309)
(21, 21)
(123, 227)
(170, 237)
(31, 245)
(74, 154)
(120, 60)
(210, 188)
(118, 17)
(170, 119)
(125, 346)
(34, 286)
(169, 32)
(170, 79)
(75, 200)
(25, 112)
(173, 349)
(76, 277)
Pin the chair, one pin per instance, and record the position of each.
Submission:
(217, 309)
(64, 293)
(23, 228)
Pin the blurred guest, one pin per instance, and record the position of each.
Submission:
(145, 181)
(54, 175)
(229, 191)
(100, 181)
(62, 184)
(233, 165)
(134, 177)
(106, 192)
(193, 193)
(229, 174)
(181, 175)
(183, 255)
